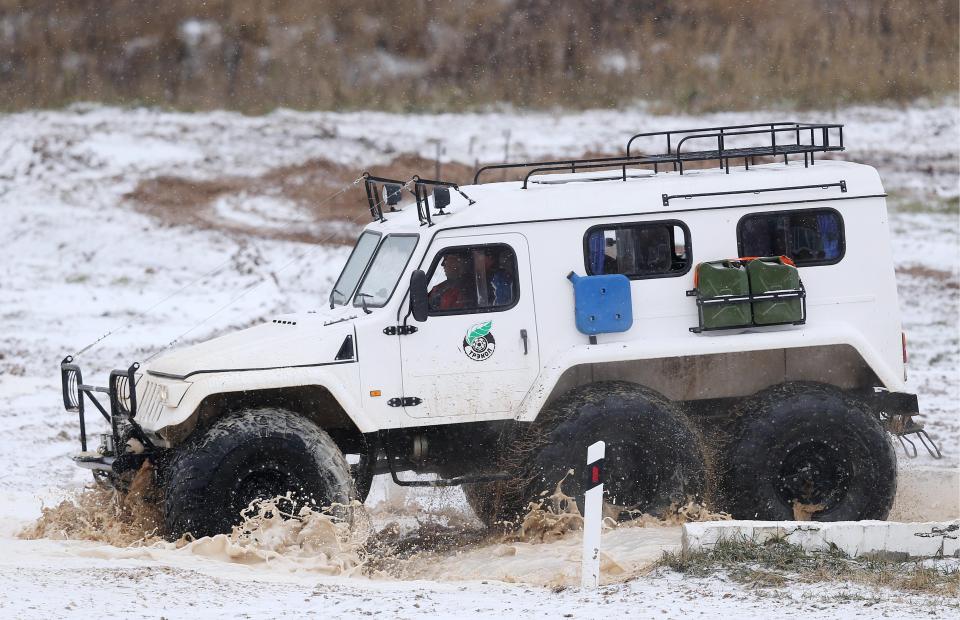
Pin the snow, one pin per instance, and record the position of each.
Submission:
(79, 262)
(74, 587)
(132, 151)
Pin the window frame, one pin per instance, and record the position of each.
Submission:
(801, 263)
(373, 259)
(688, 246)
(435, 262)
(363, 274)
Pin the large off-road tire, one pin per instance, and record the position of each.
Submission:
(653, 456)
(496, 503)
(362, 473)
(811, 446)
(253, 454)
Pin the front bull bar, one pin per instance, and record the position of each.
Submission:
(122, 394)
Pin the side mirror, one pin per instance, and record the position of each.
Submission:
(418, 295)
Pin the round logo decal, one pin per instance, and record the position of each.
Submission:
(479, 343)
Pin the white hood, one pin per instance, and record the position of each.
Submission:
(292, 340)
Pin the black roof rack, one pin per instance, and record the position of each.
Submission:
(441, 197)
(749, 141)
(392, 189)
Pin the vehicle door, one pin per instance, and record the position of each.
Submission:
(477, 352)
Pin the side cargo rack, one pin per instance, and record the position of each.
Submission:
(721, 301)
(748, 292)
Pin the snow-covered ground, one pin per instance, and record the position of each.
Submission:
(78, 261)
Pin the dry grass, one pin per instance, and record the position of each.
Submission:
(253, 56)
(777, 563)
(310, 185)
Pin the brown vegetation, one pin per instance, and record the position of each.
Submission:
(255, 55)
(313, 186)
(777, 563)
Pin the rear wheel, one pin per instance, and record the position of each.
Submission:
(254, 454)
(807, 450)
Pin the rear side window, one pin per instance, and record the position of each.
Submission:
(638, 251)
(808, 237)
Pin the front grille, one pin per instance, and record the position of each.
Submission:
(149, 403)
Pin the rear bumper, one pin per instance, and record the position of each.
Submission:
(897, 411)
(892, 403)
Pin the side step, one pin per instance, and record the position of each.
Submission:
(446, 482)
(451, 482)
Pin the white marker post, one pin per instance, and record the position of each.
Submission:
(592, 516)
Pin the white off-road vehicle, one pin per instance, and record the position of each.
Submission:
(731, 333)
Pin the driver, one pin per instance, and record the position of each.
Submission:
(454, 293)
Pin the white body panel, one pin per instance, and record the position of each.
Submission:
(451, 383)
(853, 302)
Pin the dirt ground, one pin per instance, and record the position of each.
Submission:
(313, 186)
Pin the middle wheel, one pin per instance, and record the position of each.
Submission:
(653, 456)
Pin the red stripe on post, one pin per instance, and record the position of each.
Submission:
(595, 474)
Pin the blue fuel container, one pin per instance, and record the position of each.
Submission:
(602, 304)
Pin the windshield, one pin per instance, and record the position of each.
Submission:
(384, 272)
(347, 282)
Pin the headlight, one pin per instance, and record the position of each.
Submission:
(123, 394)
(172, 393)
(120, 386)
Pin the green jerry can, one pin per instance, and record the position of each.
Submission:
(725, 277)
(770, 274)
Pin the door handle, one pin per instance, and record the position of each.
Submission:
(523, 336)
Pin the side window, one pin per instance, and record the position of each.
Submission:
(642, 250)
(470, 279)
(809, 237)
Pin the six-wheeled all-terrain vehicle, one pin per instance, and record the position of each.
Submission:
(729, 329)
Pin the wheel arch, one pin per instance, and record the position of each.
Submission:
(313, 402)
(726, 375)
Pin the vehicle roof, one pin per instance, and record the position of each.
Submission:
(582, 195)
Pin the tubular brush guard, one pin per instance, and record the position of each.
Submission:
(108, 460)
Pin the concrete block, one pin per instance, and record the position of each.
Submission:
(855, 538)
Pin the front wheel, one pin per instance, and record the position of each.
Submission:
(807, 451)
(254, 454)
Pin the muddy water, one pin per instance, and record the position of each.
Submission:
(390, 541)
(397, 538)
(400, 538)
(101, 514)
